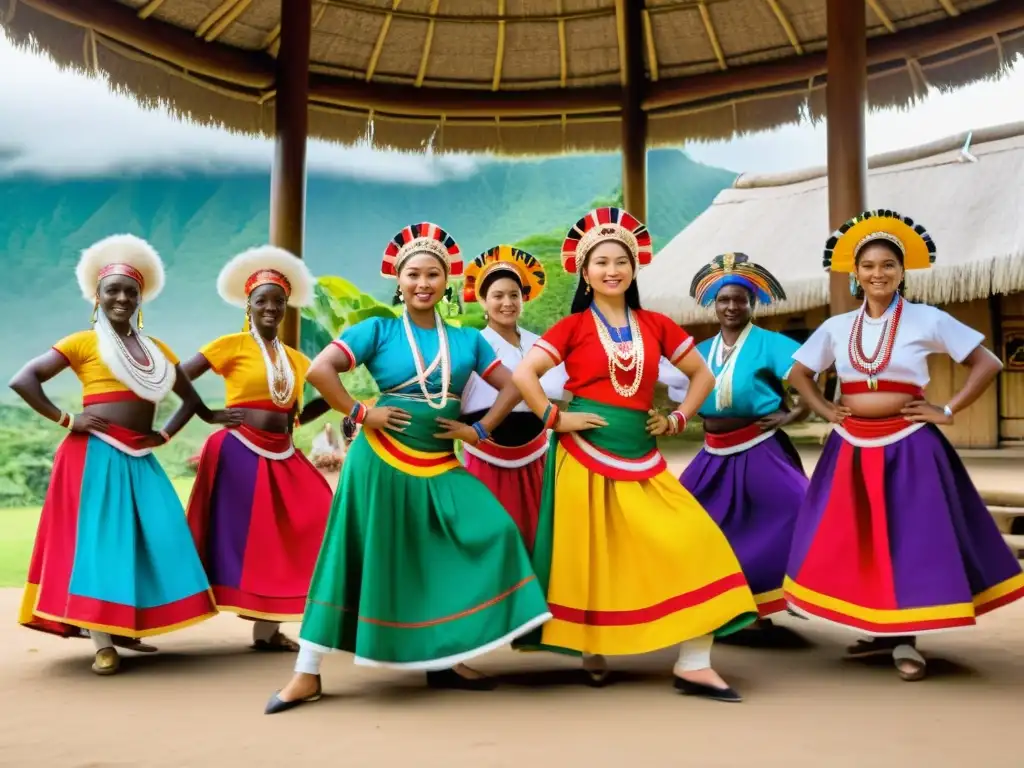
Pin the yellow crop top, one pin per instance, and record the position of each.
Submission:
(81, 350)
(238, 360)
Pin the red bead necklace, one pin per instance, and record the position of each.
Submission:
(879, 360)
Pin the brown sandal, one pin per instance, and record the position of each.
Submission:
(279, 643)
(133, 644)
(910, 664)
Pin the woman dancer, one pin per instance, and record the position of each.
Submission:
(893, 539)
(112, 553)
(629, 560)
(258, 507)
(420, 568)
(748, 476)
(511, 461)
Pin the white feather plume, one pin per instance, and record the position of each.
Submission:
(232, 278)
(120, 249)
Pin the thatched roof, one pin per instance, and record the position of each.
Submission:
(972, 204)
(514, 76)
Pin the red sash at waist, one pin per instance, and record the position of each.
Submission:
(882, 385)
(124, 396)
(127, 437)
(510, 456)
(261, 405)
(722, 440)
(271, 442)
(871, 429)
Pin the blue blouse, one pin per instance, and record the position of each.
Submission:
(381, 345)
(763, 364)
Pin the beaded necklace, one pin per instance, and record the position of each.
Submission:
(623, 355)
(151, 380)
(879, 360)
(280, 377)
(445, 360)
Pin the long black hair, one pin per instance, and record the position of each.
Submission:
(895, 251)
(583, 297)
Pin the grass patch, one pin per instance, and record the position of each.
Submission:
(18, 532)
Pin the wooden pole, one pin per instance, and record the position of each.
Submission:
(845, 104)
(634, 119)
(291, 114)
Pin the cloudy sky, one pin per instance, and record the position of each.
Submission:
(63, 123)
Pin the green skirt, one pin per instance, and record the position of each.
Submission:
(420, 567)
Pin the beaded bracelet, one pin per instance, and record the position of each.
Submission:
(677, 422)
(481, 432)
(551, 416)
(164, 434)
(358, 413)
(61, 422)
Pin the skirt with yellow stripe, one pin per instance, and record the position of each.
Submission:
(420, 568)
(630, 561)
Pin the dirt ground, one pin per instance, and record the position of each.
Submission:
(199, 702)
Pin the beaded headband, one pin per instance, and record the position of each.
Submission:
(268, 277)
(603, 225)
(912, 240)
(504, 258)
(421, 238)
(122, 269)
(735, 269)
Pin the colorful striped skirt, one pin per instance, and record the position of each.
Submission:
(630, 561)
(751, 486)
(515, 475)
(420, 568)
(893, 538)
(257, 514)
(112, 551)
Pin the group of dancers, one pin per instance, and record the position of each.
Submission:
(562, 528)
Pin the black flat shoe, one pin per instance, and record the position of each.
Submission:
(449, 679)
(276, 705)
(596, 678)
(688, 688)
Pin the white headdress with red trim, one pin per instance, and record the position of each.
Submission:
(422, 238)
(263, 265)
(603, 225)
(126, 255)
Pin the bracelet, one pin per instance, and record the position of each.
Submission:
(164, 435)
(61, 422)
(551, 416)
(677, 420)
(358, 413)
(948, 411)
(481, 432)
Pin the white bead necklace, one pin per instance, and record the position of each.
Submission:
(445, 361)
(151, 380)
(280, 376)
(623, 356)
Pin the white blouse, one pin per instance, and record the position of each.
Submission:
(924, 330)
(677, 382)
(479, 395)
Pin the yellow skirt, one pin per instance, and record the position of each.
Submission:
(636, 565)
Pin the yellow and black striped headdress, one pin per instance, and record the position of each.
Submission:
(910, 238)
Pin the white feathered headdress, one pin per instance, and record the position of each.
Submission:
(121, 255)
(266, 264)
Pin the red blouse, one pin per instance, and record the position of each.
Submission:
(574, 341)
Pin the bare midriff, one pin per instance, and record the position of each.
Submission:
(718, 425)
(877, 405)
(136, 415)
(268, 421)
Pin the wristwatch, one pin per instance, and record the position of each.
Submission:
(948, 411)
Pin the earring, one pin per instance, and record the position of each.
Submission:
(95, 312)
(587, 289)
(140, 319)
(853, 284)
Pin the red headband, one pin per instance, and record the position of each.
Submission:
(122, 269)
(267, 277)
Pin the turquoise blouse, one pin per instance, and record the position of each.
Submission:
(381, 345)
(763, 364)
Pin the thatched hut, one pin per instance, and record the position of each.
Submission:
(524, 76)
(966, 189)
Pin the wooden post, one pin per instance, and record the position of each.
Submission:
(845, 103)
(291, 114)
(634, 119)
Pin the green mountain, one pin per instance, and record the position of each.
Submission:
(197, 221)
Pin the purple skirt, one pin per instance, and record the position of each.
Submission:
(895, 539)
(754, 496)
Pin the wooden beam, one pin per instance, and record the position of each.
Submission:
(227, 20)
(427, 42)
(846, 101)
(214, 16)
(709, 27)
(879, 11)
(499, 54)
(629, 14)
(786, 25)
(149, 8)
(652, 48)
(232, 68)
(948, 6)
(563, 67)
(379, 45)
(291, 114)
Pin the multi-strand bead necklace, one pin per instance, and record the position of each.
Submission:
(876, 363)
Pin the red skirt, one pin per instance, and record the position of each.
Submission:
(515, 476)
(257, 513)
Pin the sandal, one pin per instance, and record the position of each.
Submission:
(133, 644)
(597, 676)
(875, 646)
(106, 662)
(279, 643)
(909, 663)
